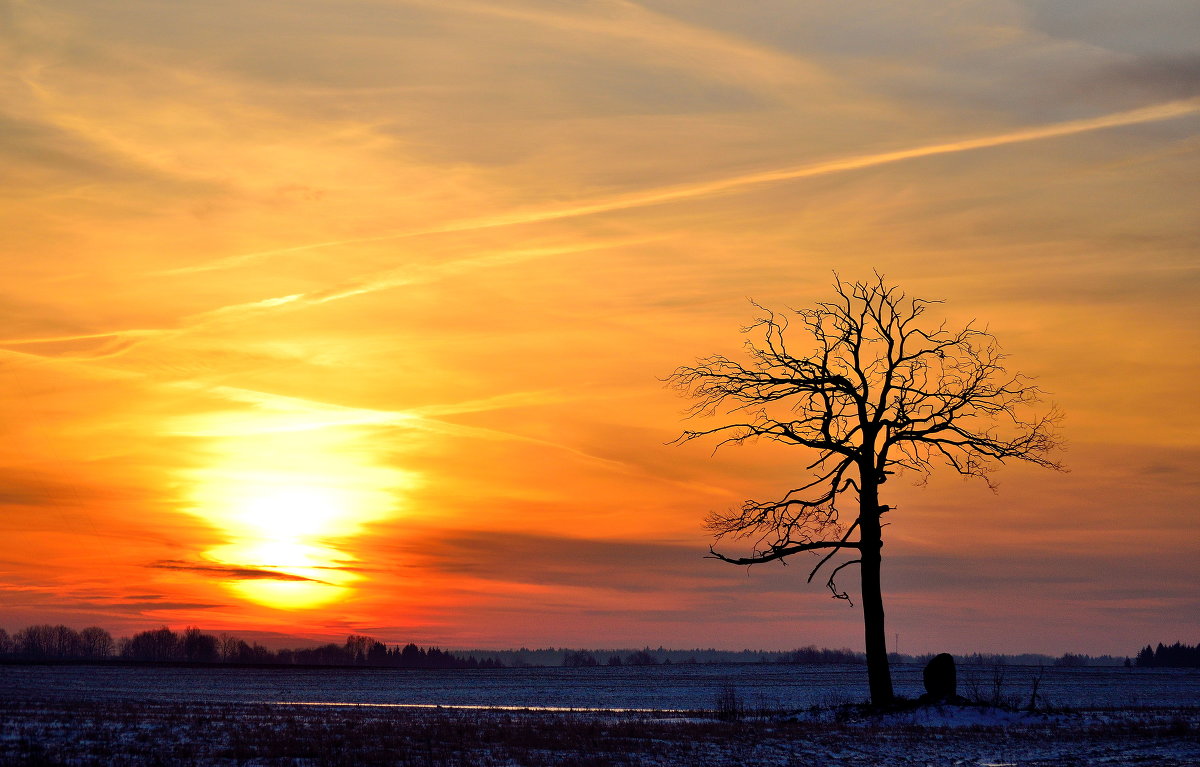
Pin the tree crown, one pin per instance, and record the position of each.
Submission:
(877, 390)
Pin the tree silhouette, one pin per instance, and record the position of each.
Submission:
(156, 645)
(95, 643)
(876, 391)
(199, 647)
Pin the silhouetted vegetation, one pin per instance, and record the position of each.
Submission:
(811, 654)
(1178, 655)
(871, 389)
(640, 658)
(650, 656)
(1032, 659)
(192, 645)
(579, 659)
(728, 706)
(47, 642)
(162, 645)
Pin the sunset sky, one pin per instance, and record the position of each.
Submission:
(351, 317)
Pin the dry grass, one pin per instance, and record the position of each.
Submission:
(83, 734)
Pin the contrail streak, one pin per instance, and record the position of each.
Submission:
(1156, 113)
(79, 337)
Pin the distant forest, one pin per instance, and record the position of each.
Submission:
(162, 645)
(1177, 655)
(46, 642)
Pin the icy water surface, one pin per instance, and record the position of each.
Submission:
(679, 687)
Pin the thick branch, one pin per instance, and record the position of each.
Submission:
(780, 553)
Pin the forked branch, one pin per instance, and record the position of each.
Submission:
(779, 553)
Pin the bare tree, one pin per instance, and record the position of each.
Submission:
(876, 391)
(47, 641)
(95, 642)
(199, 647)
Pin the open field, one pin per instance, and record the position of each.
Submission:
(677, 687)
(112, 733)
(106, 714)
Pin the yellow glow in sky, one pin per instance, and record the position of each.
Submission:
(289, 502)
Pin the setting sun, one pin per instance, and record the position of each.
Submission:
(300, 508)
(288, 505)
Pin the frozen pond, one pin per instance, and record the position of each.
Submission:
(677, 687)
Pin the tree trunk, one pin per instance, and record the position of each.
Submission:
(879, 674)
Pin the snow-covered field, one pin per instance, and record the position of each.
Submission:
(238, 734)
(113, 715)
(679, 687)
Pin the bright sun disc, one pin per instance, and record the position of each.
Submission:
(289, 508)
(280, 529)
(295, 511)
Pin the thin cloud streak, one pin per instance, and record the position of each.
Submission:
(321, 415)
(716, 52)
(79, 337)
(121, 341)
(243, 572)
(1157, 113)
(308, 414)
(416, 276)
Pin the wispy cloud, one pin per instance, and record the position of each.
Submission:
(551, 559)
(661, 36)
(682, 192)
(299, 414)
(232, 572)
(281, 414)
(107, 344)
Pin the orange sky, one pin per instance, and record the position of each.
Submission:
(350, 317)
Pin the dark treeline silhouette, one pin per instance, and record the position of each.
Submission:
(162, 645)
(967, 659)
(804, 655)
(1178, 655)
(663, 656)
(1066, 660)
(811, 654)
(57, 642)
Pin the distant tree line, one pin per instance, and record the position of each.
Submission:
(804, 655)
(162, 645)
(811, 654)
(661, 656)
(57, 642)
(582, 658)
(1020, 659)
(1178, 655)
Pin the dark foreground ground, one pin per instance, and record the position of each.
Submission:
(123, 733)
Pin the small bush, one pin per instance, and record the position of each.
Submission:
(729, 705)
